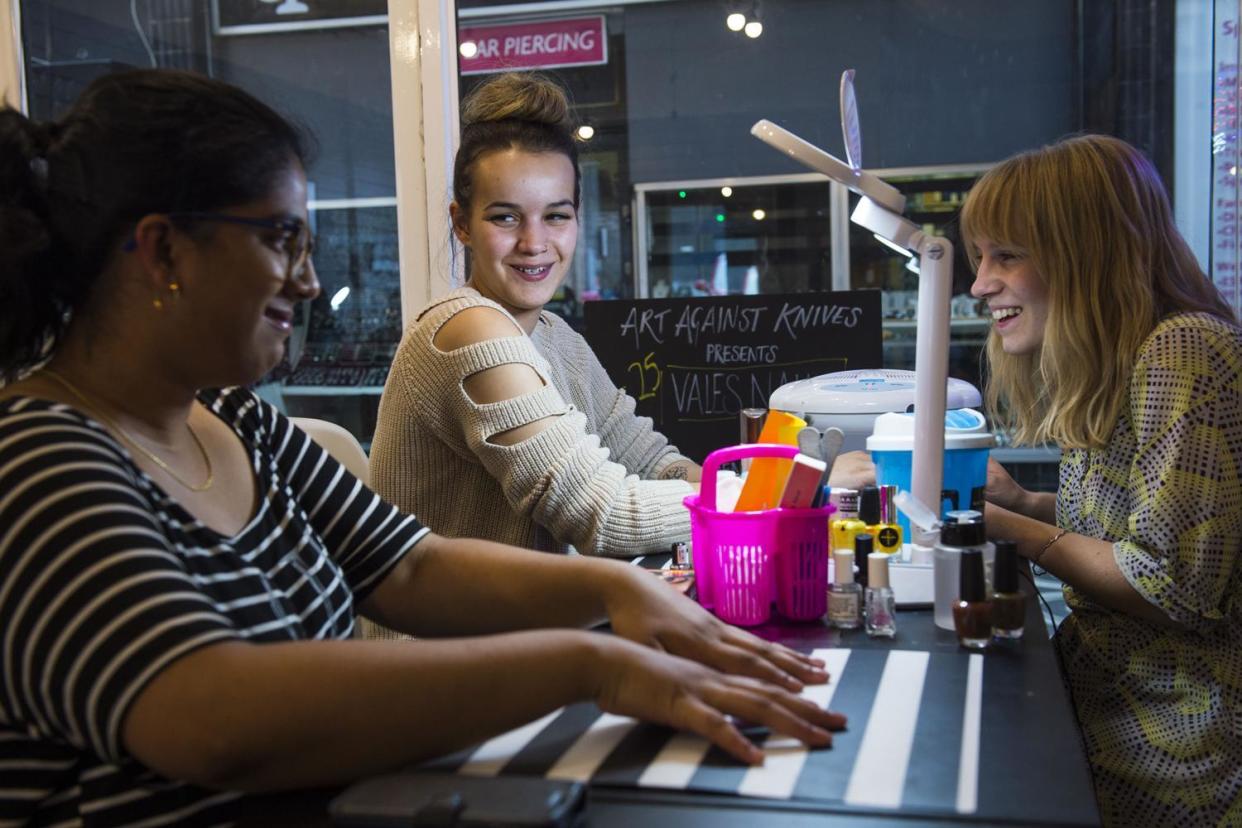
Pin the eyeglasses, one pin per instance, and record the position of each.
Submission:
(299, 242)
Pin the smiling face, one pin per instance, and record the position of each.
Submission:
(521, 229)
(239, 293)
(1016, 294)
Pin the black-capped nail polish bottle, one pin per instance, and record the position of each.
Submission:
(972, 615)
(1008, 602)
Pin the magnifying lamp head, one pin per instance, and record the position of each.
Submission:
(887, 225)
(806, 153)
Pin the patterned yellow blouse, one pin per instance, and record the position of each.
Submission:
(1161, 710)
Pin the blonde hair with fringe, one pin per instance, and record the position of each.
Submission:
(1092, 217)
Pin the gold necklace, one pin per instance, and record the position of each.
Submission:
(202, 450)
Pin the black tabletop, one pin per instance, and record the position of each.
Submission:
(1029, 768)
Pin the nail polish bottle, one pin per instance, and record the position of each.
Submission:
(869, 508)
(845, 525)
(886, 530)
(864, 545)
(844, 596)
(972, 614)
(881, 608)
(680, 571)
(750, 423)
(1008, 602)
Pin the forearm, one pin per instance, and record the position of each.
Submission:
(277, 716)
(461, 586)
(683, 469)
(1041, 506)
(1087, 564)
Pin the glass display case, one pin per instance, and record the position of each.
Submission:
(353, 328)
(747, 237)
(791, 234)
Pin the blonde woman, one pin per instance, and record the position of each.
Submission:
(1110, 341)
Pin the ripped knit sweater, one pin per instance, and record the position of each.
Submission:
(590, 479)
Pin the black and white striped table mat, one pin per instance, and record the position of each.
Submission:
(913, 742)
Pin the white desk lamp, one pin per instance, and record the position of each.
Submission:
(879, 211)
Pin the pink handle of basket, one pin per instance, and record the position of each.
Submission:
(707, 488)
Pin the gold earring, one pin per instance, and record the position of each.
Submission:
(157, 304)
(174, 287)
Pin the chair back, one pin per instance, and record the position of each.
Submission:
(341, 444)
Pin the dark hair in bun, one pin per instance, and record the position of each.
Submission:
(133, 143)
(520, 110)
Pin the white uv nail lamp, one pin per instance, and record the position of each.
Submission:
(879, 210)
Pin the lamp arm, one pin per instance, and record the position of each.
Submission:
(931, 366)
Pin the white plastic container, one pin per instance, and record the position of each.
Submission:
(962, 530)
(851, 400)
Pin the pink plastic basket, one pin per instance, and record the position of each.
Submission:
(744, 560)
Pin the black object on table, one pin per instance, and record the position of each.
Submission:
(1032, 768)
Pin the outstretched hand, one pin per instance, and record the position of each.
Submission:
(852, 470)
(1002, 489)
(665, 689)
(648, 611)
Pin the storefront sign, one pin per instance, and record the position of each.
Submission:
(233, 17)
(545, 44)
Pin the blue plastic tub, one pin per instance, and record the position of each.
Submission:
(967, 443)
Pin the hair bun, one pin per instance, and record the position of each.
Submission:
(518, 97)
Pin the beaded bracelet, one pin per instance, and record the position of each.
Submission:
(1036, 560)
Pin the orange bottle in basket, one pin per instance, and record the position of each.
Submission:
(766, 479)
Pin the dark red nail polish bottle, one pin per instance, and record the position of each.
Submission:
(972, 614)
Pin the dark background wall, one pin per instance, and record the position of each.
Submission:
(938, 83)
(340, 87)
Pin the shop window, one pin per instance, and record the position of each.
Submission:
(324, 65)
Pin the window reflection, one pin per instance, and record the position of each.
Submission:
(324, 64)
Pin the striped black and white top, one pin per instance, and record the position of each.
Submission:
(105, 580)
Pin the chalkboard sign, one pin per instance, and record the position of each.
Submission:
(693, 364)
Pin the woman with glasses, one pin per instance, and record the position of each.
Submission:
(1110, 341)
(180, 568)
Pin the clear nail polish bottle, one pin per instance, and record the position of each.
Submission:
(881, 608)
(844, 596)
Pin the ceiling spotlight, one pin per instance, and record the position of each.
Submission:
(468, 49)
(726, 191)
(586, 132)
(753, 29)
(735, 21)
(759, 215)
